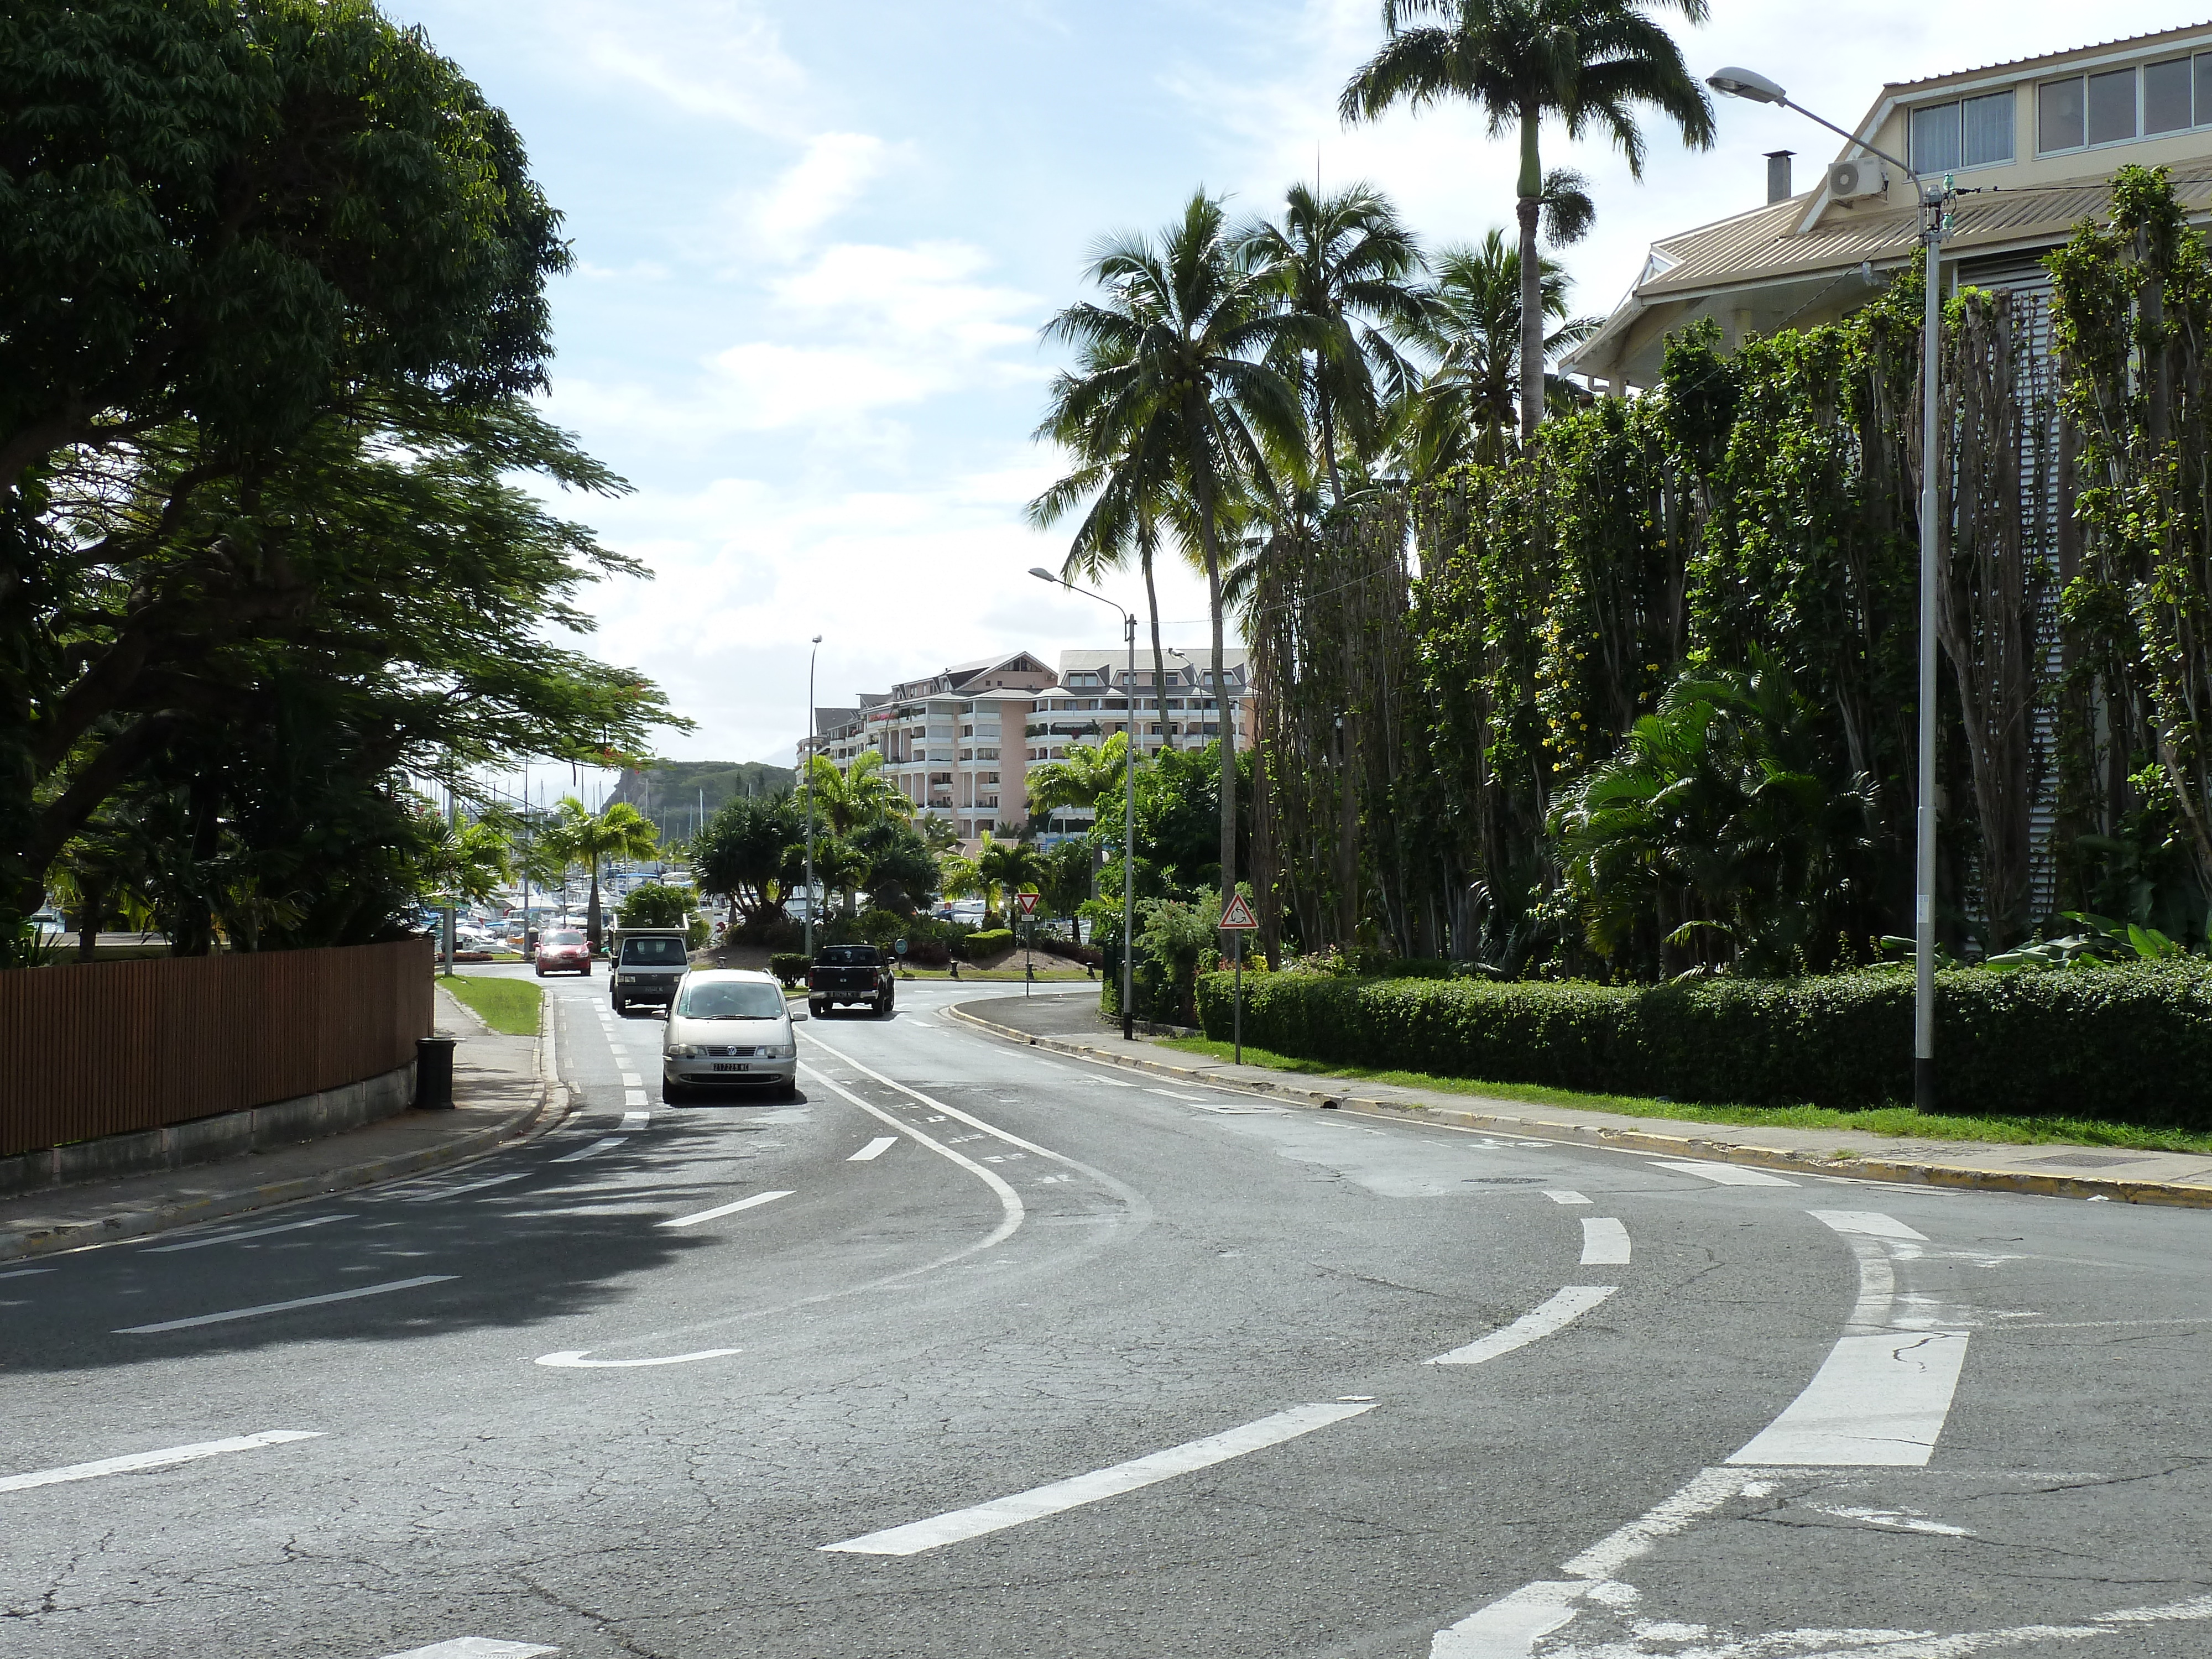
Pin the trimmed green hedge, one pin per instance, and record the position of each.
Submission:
(790, 967)
(989, 943)
(2128, 1043)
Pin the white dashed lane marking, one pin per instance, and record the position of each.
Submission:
(1724, 1175)
(154, 1460)
(1605, 1241)
(875, 1149)
(721, 1209)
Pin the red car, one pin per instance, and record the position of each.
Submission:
(563, 952)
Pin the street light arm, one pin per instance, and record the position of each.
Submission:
(1750, 85)
(1854, 137)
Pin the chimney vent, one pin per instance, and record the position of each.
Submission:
(1778, 175)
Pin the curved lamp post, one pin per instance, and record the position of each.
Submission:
(1130, 802)
(1934, 220)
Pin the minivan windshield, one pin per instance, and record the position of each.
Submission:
(729, 998)
(653, 952)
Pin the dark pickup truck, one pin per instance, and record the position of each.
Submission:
(850, 973)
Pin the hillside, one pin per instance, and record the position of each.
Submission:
(670, 793)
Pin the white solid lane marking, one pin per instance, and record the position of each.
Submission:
(720, 1210)
(1866, 1223)
(633, 1121)
(1569, 1304)
(600, 1145)
(437, 1193)
(1041, 1501)
(232, 1238)
(632, 1080)
(25, 1273)
(476, 1647)
(874, 1149)
(285, 1307)
(1725, 1175)
(155, 1459)
(1567, 1198)
(1605, 1241)
(574, 1360)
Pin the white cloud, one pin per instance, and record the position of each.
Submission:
(824, 182)
(720, 61)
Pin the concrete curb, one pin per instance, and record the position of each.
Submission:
(2180, 1195)
(549, 1104)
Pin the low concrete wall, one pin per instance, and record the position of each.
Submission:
(205, 1140)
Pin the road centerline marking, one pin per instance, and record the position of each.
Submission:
(1605, 1241)
(233, 1238)
(721, 1209)
(1552, 1314)
(229, 1313)
(1567, 1198)
(165, 1458)
(1059, 1495)
(598, 1146)
(875, 1149)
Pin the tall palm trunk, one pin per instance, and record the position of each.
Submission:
(1159, 656)
(1532, 279)
(1327, 425)
(1227, 726)
(592, 913)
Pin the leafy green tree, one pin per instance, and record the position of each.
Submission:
(1345, 264)
(751, 852)
(1181, 353)
(1585, 63)
(620, 832)
(1067, 877)
(901, 870)
(655, 904)
(1469, 331)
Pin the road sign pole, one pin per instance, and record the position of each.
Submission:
(1237, 1019)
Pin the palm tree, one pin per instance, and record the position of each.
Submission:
(1344, 261)
(1011, 867)
(1585, 63)
(1470, 332)
(1091, 770)
(858, 796)
(581, 837)
(1180, 367)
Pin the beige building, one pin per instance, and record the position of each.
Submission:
(2030, 145)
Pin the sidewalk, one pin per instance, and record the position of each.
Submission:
(1071, 1025)
(503, 1088)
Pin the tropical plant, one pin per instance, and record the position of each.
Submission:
(1069, 875)
(1090, 772)
(1008, 867)
(750, 852)
(1344, 263)
(1585, 63)
(1182, 354)
(470, 860)
(900, 869)
(1469, 331)
(621, 831)
(849, 800)
(655, 904)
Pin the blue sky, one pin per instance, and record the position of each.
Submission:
(815, 243)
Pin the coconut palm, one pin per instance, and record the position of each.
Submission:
(1469, 330)
(1009, 866)
(1345, 263)
(1585, 63)
(1091, 770)
(851, 800)
(1179, 358)
(582, 836)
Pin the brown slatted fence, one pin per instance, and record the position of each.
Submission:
(102, 1048)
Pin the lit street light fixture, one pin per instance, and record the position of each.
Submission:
(1130, 802)
(1934, 219)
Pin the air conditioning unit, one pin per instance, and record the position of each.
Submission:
(1861, 176)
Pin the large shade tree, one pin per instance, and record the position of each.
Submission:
(1182, 354)
(1588, 64)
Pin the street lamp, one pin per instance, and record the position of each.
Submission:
(1933, 220)
(808, 763)
(1130, 803)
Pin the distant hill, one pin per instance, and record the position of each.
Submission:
(670, 793)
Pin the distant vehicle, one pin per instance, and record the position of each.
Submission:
(970, 911)
(563, 950)
(728, 1027)
(49, 921)
(843, 974)
(648, 963)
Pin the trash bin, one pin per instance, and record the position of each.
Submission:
(433, 1074)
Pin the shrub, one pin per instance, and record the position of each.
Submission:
(790, 967)
(986, 942)
(697, 932)
(655, 904)
(2127, 1043)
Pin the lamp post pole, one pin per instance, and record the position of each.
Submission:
(807, 761)
(1935, 217)
(1128, 799)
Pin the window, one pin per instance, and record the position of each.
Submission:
(2165, 99)
(1987, 129)
(2111, 107)
(1934, 140)
(2058, 115)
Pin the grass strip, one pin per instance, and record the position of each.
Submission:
(508, 1005)
(1901, 1120)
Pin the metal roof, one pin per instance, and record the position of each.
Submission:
(2051, 59)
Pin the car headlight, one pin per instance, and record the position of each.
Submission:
(682, 1051)
(781, 1050)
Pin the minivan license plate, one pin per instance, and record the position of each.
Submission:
(726, 1066)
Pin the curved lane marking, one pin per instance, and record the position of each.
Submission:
(1605, 1241)
(574, 1360)
(1540, 1321)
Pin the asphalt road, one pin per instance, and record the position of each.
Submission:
(584, 1397)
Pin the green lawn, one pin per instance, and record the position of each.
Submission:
(1882, 1120)
(504, 1004)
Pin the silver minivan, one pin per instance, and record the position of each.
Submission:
(728, 1027)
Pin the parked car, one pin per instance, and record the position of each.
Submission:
(728, 1027)
(843, 974)
(563, 950)
(648, 963)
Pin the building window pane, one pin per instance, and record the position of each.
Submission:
(1935, 139)
(2165, 96)
(2058, 115)
(2204, 86)
(2113, 107)
(1988, 130)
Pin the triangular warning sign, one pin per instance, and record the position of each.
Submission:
(1028, 902)
(1237, 914)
